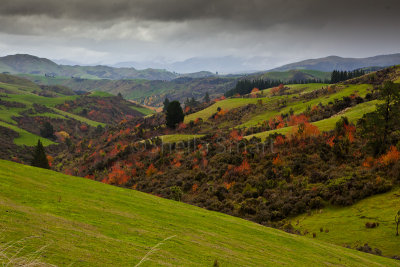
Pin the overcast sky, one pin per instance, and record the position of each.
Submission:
(110, 31)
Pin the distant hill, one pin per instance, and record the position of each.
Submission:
(28, 64)
(339, 63)
(146, 92)
(293, 75)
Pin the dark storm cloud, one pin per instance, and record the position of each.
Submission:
(253, 12)
(111, 30)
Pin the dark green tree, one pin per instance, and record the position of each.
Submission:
(166, 103)
(39, 157)
(378, 125)
(47, 131)
(174, 114)
(207, 98)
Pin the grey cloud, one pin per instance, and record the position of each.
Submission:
(177, 29)
(254, 12)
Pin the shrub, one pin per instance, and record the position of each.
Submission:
(371, 224)
(176, 193)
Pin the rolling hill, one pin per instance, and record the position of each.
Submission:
(28, 64)
(26, 107)
(331, 63)
(51, 218)
(147, 92)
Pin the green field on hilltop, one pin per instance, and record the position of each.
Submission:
(298, 106)
(301, 106)
(346, 225)
(227, 104)
(173, 138)
(25, 137)
(73, 221)
(353, 114)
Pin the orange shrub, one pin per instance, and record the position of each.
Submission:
(243, 168)
(151, 170)
(228, 185)
(368, 162)
(83, 128)
(277, 161)
(194, 188)
(297, 119)
(182, 126)
(330, 141)
(49, 159)
(305, 130)
(390, 157)
(279, 140)
(235, 136)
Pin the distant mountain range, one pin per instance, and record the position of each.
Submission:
(339, 63)
(193, 67)
(222, 65)
(235, 65)
(27, 64)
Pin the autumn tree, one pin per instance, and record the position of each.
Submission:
(39, 157)
(174, 114)
(377, 126)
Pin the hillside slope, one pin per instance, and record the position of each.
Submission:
(147, 92)
(339, 63)
(76, 221)
(347, 225)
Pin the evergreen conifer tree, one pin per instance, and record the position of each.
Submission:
(39, 157)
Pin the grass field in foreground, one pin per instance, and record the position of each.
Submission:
(85, 223)
(347, 225)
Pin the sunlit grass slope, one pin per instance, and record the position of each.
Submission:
(353, 114)
(347, 225)
(87, 223)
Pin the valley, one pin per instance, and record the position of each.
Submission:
(288, 166)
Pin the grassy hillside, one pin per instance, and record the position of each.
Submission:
(147, 92)
(295, 75)
(269, 101)
(66, 220)
(353, 114)
(23, 93)
(347, 225)
(20, 100)
(173, 138)
(25, 137)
